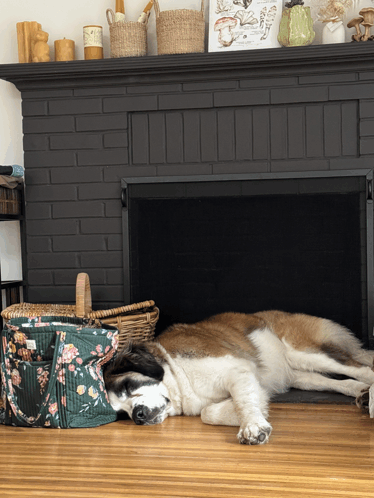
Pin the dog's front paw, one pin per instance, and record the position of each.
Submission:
(255, 433)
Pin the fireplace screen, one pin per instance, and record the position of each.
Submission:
(203, 246)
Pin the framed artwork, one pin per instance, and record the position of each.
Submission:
(243, 24)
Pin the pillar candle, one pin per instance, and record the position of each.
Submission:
(64, 50)
(93, 42)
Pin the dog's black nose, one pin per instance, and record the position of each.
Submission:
(139, 414)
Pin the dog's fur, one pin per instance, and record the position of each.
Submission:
(227, 367)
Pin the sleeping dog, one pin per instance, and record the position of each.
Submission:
(226, 369)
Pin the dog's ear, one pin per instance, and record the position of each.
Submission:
(135, 358)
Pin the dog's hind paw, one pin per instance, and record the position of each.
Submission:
(365, 401)
(255, 434)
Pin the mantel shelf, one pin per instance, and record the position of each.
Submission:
(314, 59)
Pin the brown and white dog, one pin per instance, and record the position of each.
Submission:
(226, 369)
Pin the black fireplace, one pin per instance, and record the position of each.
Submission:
(296, 242)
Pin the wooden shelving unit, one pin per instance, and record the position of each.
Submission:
(13, 285)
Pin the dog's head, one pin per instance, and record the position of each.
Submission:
(134, 384)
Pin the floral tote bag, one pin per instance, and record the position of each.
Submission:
(51, 370)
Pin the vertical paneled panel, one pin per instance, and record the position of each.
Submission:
(226, 139)
(174, 138)
(191, 131)
(278, 133)
(140, 144)
(332, 129)
(260, 133)
(157, 138)
(208, 126)
(349, 129)
(243, 134)
(314, 130)
(296, 132)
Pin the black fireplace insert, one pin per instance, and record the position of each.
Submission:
(209, 244)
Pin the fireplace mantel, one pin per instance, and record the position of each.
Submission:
(315, 59)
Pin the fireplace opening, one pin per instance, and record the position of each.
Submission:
(200, 246)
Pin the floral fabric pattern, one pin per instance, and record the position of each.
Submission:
(64, 358)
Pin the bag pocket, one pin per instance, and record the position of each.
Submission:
(29, 381)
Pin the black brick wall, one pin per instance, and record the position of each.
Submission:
(80, 141)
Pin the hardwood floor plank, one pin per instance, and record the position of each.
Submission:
(315, 450)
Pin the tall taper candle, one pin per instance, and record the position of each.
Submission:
(64, 50)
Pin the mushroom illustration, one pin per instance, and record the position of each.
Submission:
(262, 17)
(355, 23)
(224, 26)
(269, 21)
(246, 17)
(368, 15)
(223, 6)
(243, 3)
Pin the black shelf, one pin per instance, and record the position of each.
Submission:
(11, 217)
(8, 284)
(315, 59)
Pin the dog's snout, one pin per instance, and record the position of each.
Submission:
(139, 414)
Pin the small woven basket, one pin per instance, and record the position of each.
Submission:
(135, 322)
(180, 31)
(128, 38)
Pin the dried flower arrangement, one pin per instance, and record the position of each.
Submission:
(333, 10)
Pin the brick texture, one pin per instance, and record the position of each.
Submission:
(80, 142)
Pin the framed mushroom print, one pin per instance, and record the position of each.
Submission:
(243, 24)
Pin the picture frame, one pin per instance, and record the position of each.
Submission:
(243, 24)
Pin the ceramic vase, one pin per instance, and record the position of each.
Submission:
(296, 27)
(333, 32)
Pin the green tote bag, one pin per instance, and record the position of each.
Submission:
(51, 370)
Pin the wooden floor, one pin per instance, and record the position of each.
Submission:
(315, 451)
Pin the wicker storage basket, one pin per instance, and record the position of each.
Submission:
(127, 39)
(10, 201)
(180, 31)
(135, 322)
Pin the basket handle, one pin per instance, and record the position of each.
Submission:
(83, 300)
(110, 16)
(156, 7)
(123, 309)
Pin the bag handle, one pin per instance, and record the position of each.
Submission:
(22, 417)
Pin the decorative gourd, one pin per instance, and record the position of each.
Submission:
(296, 25)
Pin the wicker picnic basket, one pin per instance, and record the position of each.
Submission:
(180, 31)
(128, 38)
(135, 322)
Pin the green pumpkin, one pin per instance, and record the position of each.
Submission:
(296, 27)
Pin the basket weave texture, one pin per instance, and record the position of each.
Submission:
(180, 31)
(10, 201)
(135, 322)
(127, 39)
